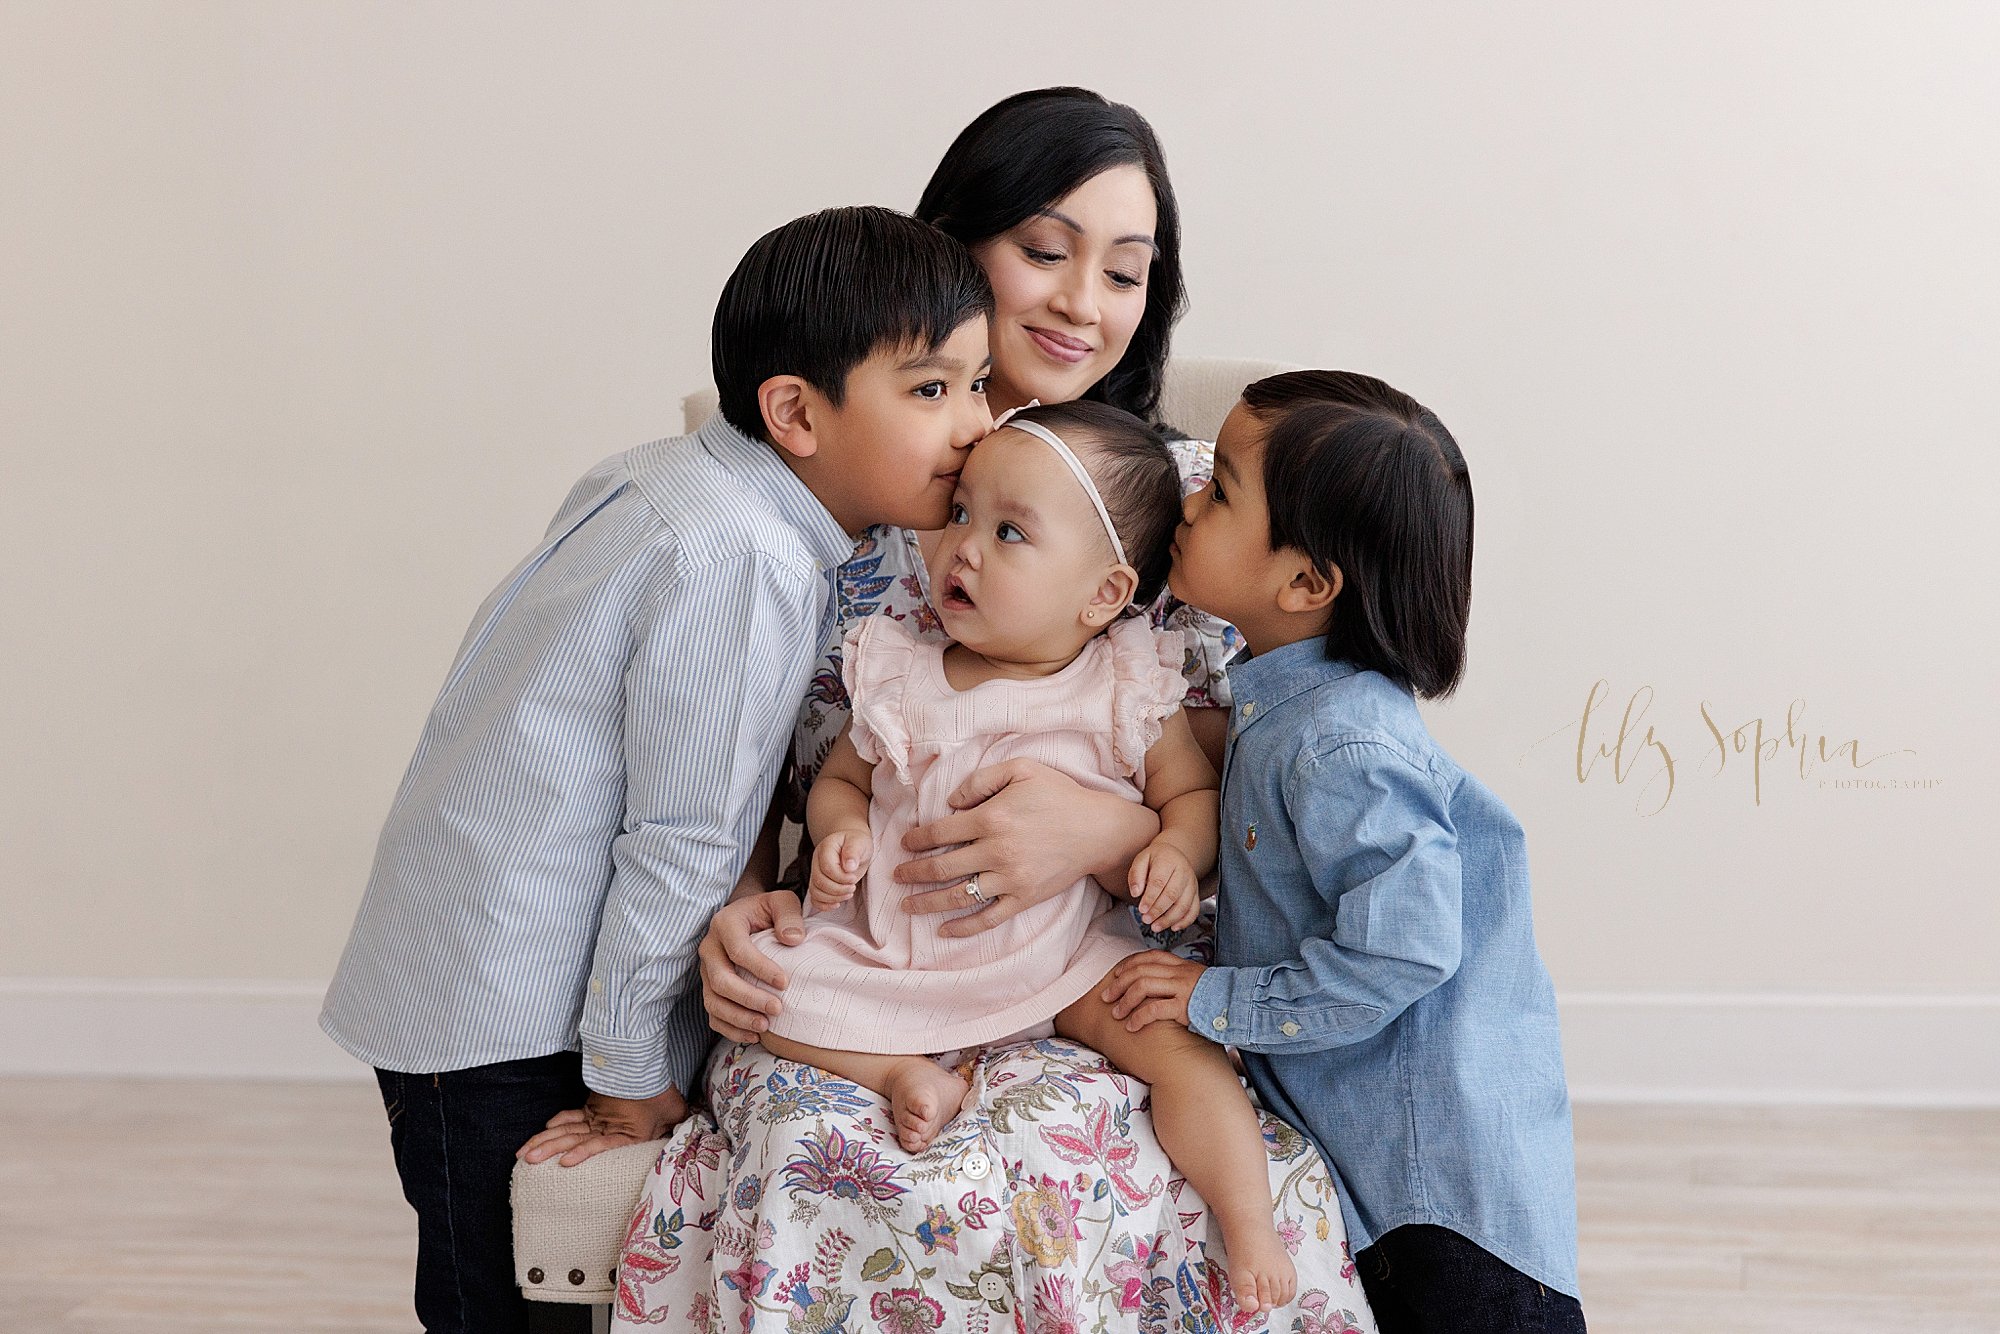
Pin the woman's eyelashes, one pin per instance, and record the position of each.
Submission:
(1118, 277)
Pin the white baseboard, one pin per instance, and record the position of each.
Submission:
(1620, 1046)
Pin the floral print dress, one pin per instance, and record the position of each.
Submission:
(1047, 1206)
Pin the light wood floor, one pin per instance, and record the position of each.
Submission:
(179, 1207)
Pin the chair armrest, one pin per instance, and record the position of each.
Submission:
(570, 1222)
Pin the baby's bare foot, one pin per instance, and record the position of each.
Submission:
(1260, 1272)
(923, 1096)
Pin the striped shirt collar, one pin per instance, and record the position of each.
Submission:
(759, 466)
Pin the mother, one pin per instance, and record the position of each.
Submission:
(1050, 1189)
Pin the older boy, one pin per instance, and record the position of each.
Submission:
(595, 770)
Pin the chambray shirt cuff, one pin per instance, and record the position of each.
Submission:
(1208, 1007)
(1228, 1005)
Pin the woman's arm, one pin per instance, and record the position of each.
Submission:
(760, 872)
(1211, 729)
(1029, 833)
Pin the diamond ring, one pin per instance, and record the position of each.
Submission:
(972, 889)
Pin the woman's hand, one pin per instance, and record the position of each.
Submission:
(1164, 883)
(837, 867)
(605, 1122)
(1029, 833)
(738, 1008)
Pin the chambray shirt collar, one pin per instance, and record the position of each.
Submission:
(758, 464)
(1259, 685)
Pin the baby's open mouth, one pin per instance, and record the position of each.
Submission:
(955, 595)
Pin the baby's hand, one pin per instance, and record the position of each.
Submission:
(1165, 884)
(839, 862)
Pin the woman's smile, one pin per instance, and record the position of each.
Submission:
(1059, 346)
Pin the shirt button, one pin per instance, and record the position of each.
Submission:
(1218, 1023)
(597, 986)
(1250, 708)
(597, 1061)
(977, 1165)
(1289, 1029)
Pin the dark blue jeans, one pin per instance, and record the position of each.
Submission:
(454, 1137)
(1422, 1278)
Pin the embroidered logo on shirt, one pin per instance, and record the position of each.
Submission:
(1250, 838)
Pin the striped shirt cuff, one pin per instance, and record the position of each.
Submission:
(647, 1067)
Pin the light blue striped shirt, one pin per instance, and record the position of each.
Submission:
(594, 773)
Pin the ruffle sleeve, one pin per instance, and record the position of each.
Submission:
(878, 654)
(1146, 687)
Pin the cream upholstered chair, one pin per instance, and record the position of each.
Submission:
(569, 1223)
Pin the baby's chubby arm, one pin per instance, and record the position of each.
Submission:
(1181, 786)
(837, 818)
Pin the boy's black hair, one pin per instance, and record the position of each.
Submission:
(1362, 476)
(1024, 153)
(815, 297)
(1134, 472)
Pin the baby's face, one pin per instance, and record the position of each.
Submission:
(1023, 551)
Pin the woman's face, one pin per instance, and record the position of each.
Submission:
(1069, 286)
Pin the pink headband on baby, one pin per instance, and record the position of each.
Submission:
(1068, 456)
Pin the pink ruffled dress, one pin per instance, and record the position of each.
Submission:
(871, 977)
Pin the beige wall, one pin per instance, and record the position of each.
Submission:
(309, 313)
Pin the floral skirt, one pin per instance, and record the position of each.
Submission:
(1047, 1206)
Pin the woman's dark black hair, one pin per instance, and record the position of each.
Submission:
(815, 297)
(1362, 476)
(1022, 155)
(1134, 471)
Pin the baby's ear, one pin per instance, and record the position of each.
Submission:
(1113, 592)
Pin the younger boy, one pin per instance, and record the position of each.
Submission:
(595, 770)
(1375, 957)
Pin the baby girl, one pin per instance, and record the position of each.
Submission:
(1064, 517)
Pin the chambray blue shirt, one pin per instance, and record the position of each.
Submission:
(1376, 965)
(594, 773)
